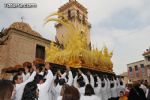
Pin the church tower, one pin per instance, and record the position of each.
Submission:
(77, 13)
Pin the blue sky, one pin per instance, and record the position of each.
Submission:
(123, 25)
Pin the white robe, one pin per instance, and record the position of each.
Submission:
(92, 81)
(93, 97)
(114, 93)
(143, 87)
(54, 95)
(118, 87)
(147, 91)
(44, 88)
(20, 87)
(52, 91)
(57, 89)
(70, 80)
(59, 98)
(104, 91)
(98, 88)
(108, 89)
(81, 89)
(25, 76)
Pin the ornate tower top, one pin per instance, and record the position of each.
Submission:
(76, 13)
(72, 3)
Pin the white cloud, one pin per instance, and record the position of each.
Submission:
(127, 45)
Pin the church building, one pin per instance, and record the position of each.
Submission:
(22, 45)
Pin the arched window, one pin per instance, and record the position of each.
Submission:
(83, 19)
(40, 52)
(78, 13)
(69, 14)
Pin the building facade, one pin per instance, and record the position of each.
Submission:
(146, 55)
(23, 44)
(140, 70)
(137, 71)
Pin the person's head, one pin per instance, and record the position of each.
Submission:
(31, 91)
(71, 93)
(39, 67)
(112, 85)
(56, 81)
(130, 86)
(17, 79)
(142, 82)
(121, 83)
(103, 84)
(89, 91)
(27, 66)
(121, 93)
(39, 79)
(6, 90)
(136, 84)
(95, 81)
(26, 69)
(146, 83)
(47, 64)
(64, 87)
(21, 70)
(62, 81)
(80, 82)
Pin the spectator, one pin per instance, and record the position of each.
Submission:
(136, 93)
(71, 93)
(122, 96)
(31, 91)
(6, 90)
(18, 81)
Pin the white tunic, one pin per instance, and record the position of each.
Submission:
(114, 93)
(20, 87)
(81, 89)
(143, 87)
(57, 89)
(25, 76)
(44, 88)
(104, 91)
(93, 97)
(98, 89)
(108, 89)
(59, 98)
(53, 91)
(118, 87)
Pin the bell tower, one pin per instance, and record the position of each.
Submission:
(77, 13)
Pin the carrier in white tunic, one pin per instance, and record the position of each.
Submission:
(44, 88)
